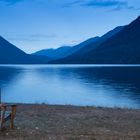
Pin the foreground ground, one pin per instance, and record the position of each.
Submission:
(43, 122)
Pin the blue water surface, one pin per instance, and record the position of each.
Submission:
(84, 85)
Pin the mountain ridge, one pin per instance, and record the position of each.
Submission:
(118, 46)
(10, 54)
(64, 51)
(121, 48)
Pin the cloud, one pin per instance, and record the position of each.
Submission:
(113, 4)
(74, 3)
(105, 3)
(11, 2)
(31, 38)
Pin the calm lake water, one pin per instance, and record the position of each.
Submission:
(91, 85)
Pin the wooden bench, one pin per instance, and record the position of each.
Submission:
(7, 113)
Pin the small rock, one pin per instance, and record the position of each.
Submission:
(31, 132)
(7, 134)
(36, 128)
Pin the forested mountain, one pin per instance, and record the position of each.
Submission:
(10, 54)
(121, 48)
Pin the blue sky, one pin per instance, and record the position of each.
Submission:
(38, 24)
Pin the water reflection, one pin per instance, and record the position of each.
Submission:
(75, 85)
(7, 74)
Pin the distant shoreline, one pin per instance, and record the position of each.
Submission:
(90, 65)
(74, 106)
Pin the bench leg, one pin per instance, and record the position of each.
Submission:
(2, 117)
(11, 123)
(1, 125)
(12, 117)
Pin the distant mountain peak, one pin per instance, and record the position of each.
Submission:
(136, 21)
(138, 17)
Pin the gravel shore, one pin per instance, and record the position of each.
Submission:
(55, 122)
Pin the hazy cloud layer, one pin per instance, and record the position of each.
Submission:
(32, 37)
(113, 4)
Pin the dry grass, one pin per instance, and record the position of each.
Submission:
(45, 122)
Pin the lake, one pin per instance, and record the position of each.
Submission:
(90, 85)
